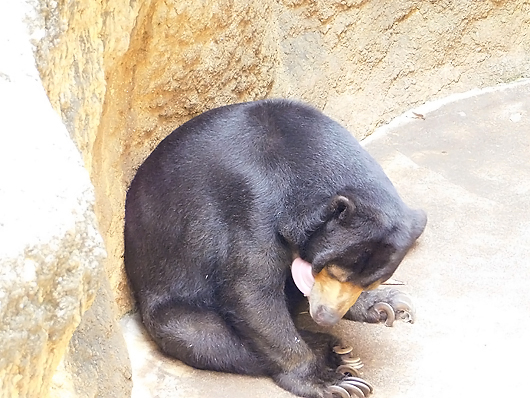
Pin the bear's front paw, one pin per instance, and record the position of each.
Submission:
(382, 305)
(398, 307)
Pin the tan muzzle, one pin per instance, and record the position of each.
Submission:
(330, 298)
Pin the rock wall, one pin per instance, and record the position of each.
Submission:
(51, 253)
(364, 62)
(183, 59)
(96, 361)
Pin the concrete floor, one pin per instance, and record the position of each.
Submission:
(467, 164)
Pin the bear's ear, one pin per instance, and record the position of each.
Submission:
(342, 208)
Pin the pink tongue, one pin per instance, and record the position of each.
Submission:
(302, 275)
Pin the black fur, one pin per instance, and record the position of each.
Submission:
(215, 216)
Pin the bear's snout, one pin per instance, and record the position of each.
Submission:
(325, 316)
(330, 299)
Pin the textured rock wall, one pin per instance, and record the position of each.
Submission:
(365, 62)
(125, 74)
(51, 253)
(96, 361)
(84, 41)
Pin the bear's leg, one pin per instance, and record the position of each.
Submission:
(322, 345)
(301, 362)
(202, 339)
(382, 305)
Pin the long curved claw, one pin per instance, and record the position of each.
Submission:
(388, 310)
(348, 370)
(354, 391)
(358, 382)
(363, 387)
(337, 391)
(404, 308)
(405, 316)
(354, 362)
(346, 357)
(405, 300)
(342, 350)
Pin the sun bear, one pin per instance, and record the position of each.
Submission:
(248, 211)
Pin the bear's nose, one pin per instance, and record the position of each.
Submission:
(325, 316)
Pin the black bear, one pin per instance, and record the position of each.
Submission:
(242, 211)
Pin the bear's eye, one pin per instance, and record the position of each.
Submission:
(337, 272)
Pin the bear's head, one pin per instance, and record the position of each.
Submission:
(358, 246)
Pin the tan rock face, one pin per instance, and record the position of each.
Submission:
(51, 254)
(124, 74)
(364, 62)
(96, 363)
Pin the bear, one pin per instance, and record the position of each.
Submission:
(248, 212)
